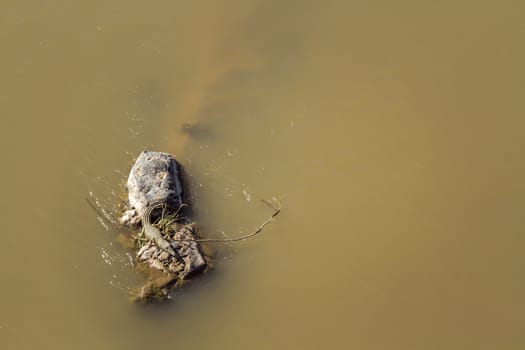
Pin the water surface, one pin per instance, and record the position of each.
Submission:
(391, 133)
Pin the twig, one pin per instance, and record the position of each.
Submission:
(276, 212)
(102, 214)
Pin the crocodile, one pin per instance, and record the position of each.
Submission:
(151, 232)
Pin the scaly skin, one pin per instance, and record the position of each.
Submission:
(153, 233)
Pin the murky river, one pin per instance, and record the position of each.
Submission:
(391, 132)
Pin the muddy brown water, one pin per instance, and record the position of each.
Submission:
(391, 132)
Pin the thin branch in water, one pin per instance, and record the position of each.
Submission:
(276, 211)
(102, 213)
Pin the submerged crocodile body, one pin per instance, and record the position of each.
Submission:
(151, 232)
